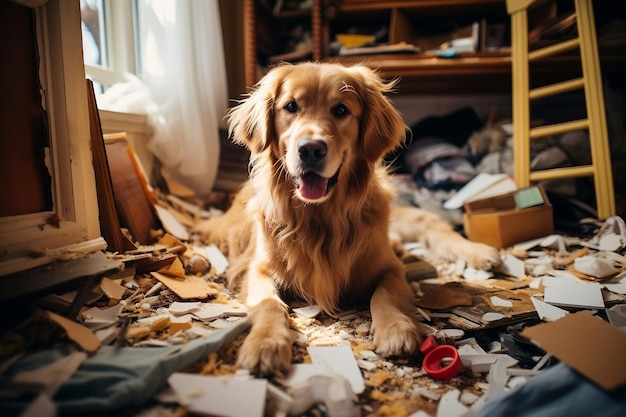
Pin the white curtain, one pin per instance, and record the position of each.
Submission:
(182, 64)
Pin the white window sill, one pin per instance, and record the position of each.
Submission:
(113, 122)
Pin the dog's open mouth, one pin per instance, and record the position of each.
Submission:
(312, 186)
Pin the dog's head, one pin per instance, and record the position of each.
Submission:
(319, 123)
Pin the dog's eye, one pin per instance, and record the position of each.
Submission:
(292, 107)
(340, 110)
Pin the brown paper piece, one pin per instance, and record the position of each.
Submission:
(448, 295)
(588, 344)
(191, 287)
(171, 241)
(112, 289)
(77, 332)
(175, 269)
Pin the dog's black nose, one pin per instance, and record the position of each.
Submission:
(312, 151)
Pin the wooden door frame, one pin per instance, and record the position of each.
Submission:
(69, 156)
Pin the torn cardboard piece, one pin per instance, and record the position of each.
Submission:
(77, 332)
(586, 343)
(448, 295)
(112, 289)
(191, 287)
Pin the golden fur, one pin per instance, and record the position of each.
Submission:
(313, 220)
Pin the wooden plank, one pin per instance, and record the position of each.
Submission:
(109, 221)
(44, 278)
(133, 201)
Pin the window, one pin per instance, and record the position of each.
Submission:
(109, 40)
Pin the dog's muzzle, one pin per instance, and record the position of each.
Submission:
(311, 185)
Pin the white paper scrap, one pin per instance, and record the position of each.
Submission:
(612, 242)
(479, 183)
(341, 360)
(594, 266)
(213, 311)
(220, 396)
(573, 293)
(492, 316)
(513, 266)
(215, 256)
(501, 302)
(450, 406)
(96, 316)
(179, 307)
(308, 311)
(618, 287)
(548, 312)
(171, 224)
(617, 315)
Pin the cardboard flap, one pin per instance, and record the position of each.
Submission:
(520, 199)
(586, 343)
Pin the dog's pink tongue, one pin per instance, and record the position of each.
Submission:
(313, 186)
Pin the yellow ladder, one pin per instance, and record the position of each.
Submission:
(590, 81)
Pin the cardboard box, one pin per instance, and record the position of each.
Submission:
(501, 221)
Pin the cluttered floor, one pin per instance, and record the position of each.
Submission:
(158, 335)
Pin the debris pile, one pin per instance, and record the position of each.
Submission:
(167, 323)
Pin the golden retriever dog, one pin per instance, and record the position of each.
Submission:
(313, 221)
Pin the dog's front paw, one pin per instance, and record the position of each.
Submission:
(265, 353)
(480, 256)
(396, 337)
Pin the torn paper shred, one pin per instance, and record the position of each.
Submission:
(547, 312)
(175, 269)
(171, 224)
(77, 332)
(191, 287)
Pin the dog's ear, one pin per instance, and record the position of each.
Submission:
(251, 122)
(382, 126)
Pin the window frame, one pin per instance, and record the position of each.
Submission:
(120, 37)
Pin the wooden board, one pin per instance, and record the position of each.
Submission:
(132, 199)
(109, 221)
(522, 308)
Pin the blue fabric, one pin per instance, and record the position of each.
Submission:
(557, 392)
(116, 377)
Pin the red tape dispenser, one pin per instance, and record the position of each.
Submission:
(434, 363)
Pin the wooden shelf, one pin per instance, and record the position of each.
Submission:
(466, 74)
(427, 24)
(487, 71)
(425, 7)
